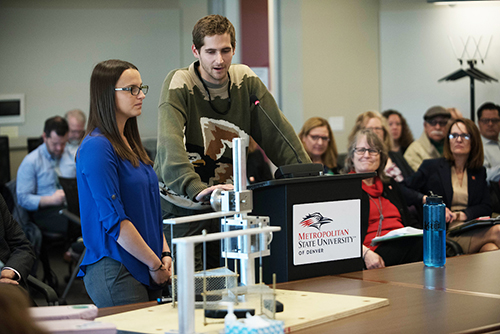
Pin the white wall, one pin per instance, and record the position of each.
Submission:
(49, 49)
(415, 53)
(330, 59)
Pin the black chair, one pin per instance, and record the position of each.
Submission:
(50, 295)
(453, 248)
(4, 160)
(34, 142)
(41, 240)
(22, 216)
(70, 188)
(341, 160)
(495, 196)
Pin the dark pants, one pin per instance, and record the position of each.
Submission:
(402, 250)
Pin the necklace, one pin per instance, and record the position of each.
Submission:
(208, 92)
(381, 216)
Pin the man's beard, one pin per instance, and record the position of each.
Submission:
(74, 142)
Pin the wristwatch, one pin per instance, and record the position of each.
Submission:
(166, 254)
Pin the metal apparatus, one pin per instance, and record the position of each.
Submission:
(244, 237)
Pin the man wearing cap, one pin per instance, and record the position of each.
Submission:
(430, 144)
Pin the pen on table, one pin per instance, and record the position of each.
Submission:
(164, 300)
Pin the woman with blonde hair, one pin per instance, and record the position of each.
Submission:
(317, 138)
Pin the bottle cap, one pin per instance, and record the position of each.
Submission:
(434, 199)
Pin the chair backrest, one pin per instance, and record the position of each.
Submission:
(495, 196)
(22, 216)
(4, 160)
(34, 142)
(71, 191)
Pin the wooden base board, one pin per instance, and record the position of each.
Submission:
(301, 310)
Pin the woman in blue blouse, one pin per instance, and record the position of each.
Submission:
(127, 259)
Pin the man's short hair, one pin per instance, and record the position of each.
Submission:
(212, 25)
(76, 113)
(57, 124)
(487, 106)
(436, 111)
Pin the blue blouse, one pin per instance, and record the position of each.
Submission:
(111, 190)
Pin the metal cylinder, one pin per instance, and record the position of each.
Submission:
(239, 164)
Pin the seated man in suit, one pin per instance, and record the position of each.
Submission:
(488, 119)
(16, 255)
(38, 189)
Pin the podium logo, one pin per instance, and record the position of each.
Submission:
(315, 220)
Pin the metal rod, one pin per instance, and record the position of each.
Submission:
(239, 164)
(221, 235)
(185, 255)
(204, 216)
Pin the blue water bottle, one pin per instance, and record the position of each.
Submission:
(434, 232)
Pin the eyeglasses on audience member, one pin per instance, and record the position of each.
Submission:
(493, 121)
(317, 138)
(375, 129)
(362, 150)
(134, 90)
(464, 136)
(435, 122)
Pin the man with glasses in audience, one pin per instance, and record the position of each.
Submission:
(430, 144)
(488, 117)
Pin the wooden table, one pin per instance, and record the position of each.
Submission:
(476, 274)
(462, 297)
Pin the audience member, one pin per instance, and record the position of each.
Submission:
(76, 121)
(396, 166)
(16, 255)
(488, 119)
(460, 178)
(455, 113)
(400, 131)
(319, 143)
(430, 144)
(127, 258)
(38, 189)
(15, 317)
(201, 109)
(383, 206)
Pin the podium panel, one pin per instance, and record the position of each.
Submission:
(320, 220)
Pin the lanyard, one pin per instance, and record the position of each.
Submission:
(208, 92)
(381, 217)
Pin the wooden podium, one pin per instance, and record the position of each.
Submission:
(277, 199)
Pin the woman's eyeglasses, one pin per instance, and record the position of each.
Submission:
(317, 138)
(134, 90)
(464, 136)
(362, 150)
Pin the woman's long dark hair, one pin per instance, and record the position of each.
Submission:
(103, 112)
(406, 136)
(476, 155)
